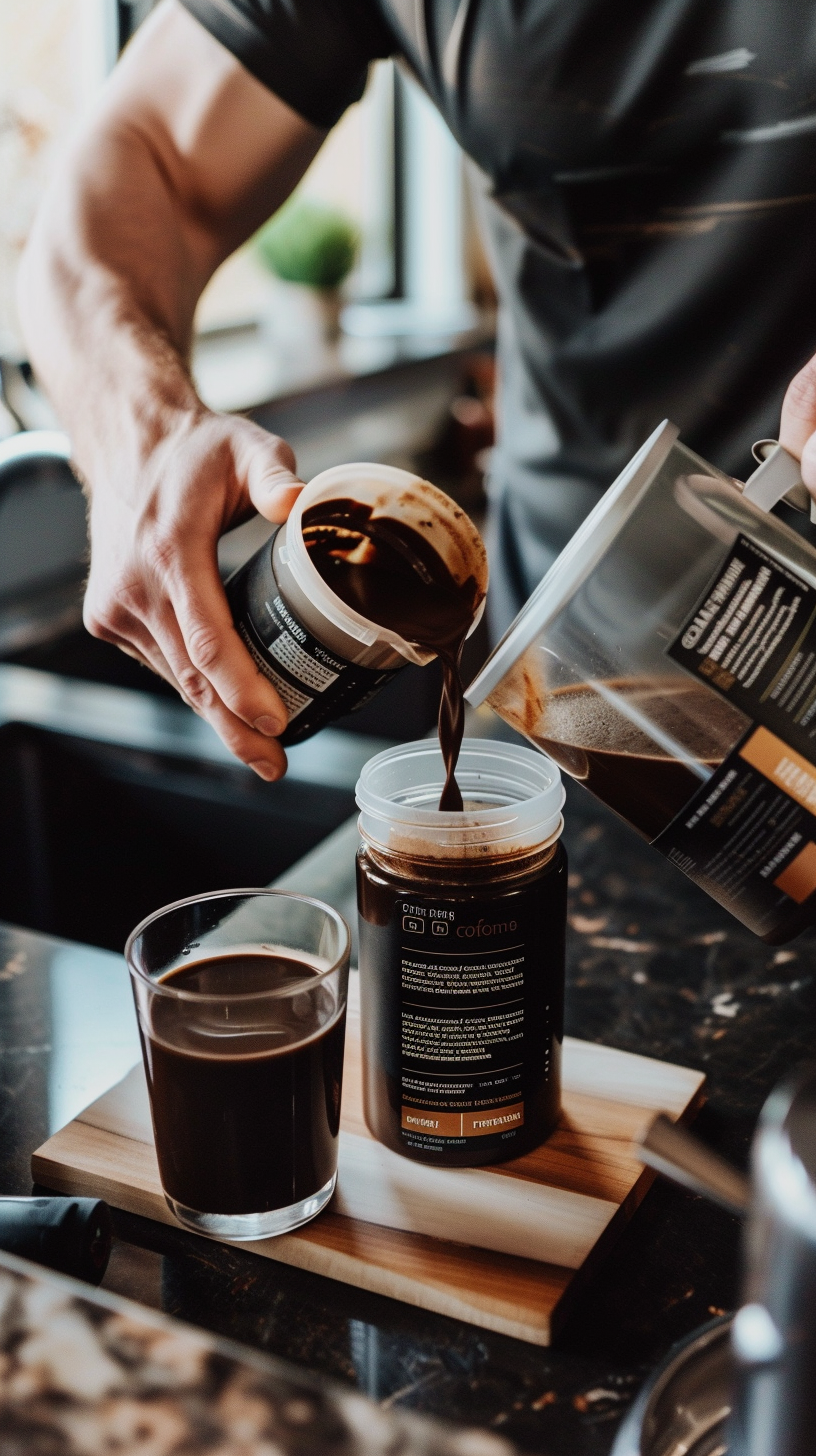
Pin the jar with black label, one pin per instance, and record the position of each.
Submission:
(324, 657)
(462, 925)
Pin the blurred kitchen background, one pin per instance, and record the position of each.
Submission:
(114, 796)
(391, 362)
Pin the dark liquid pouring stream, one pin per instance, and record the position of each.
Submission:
(451, 725)
(389, 573)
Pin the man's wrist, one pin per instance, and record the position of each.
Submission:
(146, 398)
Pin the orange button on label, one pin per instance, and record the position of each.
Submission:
(434, 1124)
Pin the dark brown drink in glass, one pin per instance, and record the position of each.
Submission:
(241, 1005)
(254, 1131)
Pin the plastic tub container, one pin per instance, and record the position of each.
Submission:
(322, 656)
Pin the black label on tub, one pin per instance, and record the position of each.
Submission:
(316, 685)
(748, 836)
(467, 999)
(752, 637)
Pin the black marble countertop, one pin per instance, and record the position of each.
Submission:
(82, 1373)
(653, 967)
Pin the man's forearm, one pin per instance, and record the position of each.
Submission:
(186, 157)
(108, 292)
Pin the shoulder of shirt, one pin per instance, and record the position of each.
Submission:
(313, 54)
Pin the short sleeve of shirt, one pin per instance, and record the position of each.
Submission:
(314, 54)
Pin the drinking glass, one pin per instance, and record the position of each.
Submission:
(241, 1004)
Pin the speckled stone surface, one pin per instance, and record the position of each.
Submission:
(84, 1375)
(654, 967)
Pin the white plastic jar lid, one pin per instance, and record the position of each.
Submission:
(513, 799)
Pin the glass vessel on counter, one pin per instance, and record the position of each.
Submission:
(241, 1004)
(667, 661)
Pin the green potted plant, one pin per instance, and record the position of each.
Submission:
(311, 245)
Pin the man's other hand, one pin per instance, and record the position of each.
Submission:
(797, 431)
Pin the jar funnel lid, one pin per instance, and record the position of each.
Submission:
(513, 800)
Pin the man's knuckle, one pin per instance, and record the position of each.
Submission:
(196, 689)
(243, 706)
(105, 618)
(204, 646)
(97, 624)
(127, 597)
(283, 454)
(159, 551)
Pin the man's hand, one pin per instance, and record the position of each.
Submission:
(154, 588)
(797, 431)
(187, 155)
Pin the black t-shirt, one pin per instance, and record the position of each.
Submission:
(649, 179)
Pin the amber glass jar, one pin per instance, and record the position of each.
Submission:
(462, 923)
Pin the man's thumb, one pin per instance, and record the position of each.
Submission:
(271, 481)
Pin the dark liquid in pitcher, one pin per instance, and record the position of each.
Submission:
(252, 1126)
(389, 573)
(595, 742)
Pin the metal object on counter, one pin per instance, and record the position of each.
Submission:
(683, 1408)
(676, 1152)
(43, 540)
(775, 1330)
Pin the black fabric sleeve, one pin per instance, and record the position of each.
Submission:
(314, 54)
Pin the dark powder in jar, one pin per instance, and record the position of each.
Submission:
(385, 570)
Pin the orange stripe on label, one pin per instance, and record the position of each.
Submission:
(798, 879)
(783, 766)
(463, 1124)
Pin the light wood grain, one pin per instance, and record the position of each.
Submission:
(389, 1230)
(511, 1295)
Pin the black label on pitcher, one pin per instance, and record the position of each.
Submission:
(315, 685)
(752, 637)
(462, 1008)
(748, 836)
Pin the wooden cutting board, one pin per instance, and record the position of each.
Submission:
(499, 1247)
